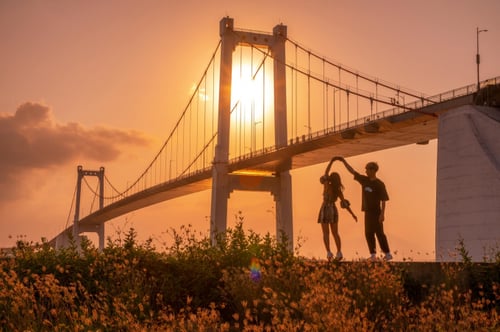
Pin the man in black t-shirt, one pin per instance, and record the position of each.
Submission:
(374, 196)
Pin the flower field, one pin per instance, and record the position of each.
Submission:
(245, 282)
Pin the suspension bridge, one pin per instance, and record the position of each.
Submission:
(264, 105)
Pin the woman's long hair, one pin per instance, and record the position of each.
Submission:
(336, 182)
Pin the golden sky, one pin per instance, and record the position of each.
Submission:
(101, 83)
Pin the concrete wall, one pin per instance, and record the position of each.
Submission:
(468, 183)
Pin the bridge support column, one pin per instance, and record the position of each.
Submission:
(283, 193)
(223, 182)
(284, 210)
(220, 185)
(220, 196)
(468, 183)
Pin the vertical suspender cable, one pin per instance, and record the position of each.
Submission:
(252, 110)
(294, 111)
(204, 118)
(197, 144)
(190, 126)
(263, 103)
(240, 109)
(357, 97)
(325, 92)
(290, 104)
(334, 118)
(340, 98)
(170, 161)
(347, 98)
(326, 108)
(183, 141)
(213, 108)
(309, 94)
(177, 145)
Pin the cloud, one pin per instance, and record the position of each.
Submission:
(32, 140)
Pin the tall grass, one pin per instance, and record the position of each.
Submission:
(246, 282)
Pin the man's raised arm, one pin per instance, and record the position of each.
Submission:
(347, 166)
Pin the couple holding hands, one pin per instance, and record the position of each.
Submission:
(374, 196)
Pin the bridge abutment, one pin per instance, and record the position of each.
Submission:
(468, 183)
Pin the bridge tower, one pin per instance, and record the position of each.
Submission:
(97, 228)
(223, 182)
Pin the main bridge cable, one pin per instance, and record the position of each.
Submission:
(71, 207)
(266, 55)
(347, 89)
(96, 194)
(123, 194)
(374, 81)
(195, 93)
(357, 74)
(113, 187)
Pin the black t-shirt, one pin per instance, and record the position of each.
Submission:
(373, 192)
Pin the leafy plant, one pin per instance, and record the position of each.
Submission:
(245, 281)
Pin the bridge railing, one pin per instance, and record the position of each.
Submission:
(412, 106)
(415, 105)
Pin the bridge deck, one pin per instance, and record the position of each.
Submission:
(382, 132)
(374, 134)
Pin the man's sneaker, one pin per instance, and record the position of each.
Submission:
(329, 255)
(339, 256)
(373, 257)
(387, 256)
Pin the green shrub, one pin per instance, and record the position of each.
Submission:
(244, 281)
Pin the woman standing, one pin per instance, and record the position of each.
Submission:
(328, 214)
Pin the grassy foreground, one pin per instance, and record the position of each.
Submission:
(245, 283)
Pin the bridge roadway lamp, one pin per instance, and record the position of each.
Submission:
(478, 60)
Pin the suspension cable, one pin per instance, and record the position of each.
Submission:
(71, 207)
(96, 194)
(93, 200)
(336, 87)
(365, 77)
(195, 93)
(112, 187)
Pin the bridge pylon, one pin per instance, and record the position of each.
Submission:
(91, 228)
(279, 184)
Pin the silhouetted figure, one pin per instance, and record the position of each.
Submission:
(374, 196)
(328, 214)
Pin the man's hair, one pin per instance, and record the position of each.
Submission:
(373, 165)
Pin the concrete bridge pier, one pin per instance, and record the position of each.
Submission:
(63, 240)
(468, 183)
(66, 239)
(283, 200)
(279, 185)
